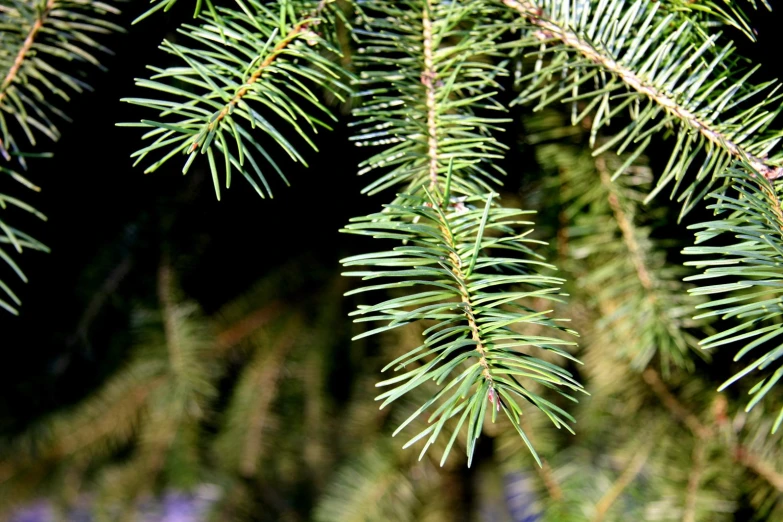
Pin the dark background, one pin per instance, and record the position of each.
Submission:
(109, 226)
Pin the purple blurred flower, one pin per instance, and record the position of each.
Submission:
(174, 506)
(521, 498)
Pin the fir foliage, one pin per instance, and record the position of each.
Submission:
(619, 57)
(456, 292)
(477, 280)
(45, 44)
(249, 62)
(432, 114)
(748, 273)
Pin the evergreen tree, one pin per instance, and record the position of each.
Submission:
(492, 336)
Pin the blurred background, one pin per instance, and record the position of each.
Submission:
(179, 358)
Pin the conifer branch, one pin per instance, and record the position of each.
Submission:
(470, 315)
(761, 467)
(45, 32)
(426, 119)
(644, 308)
(473, 312)
(703, 432)
(658, 69)
(424, 114)
(678, 411)
(25, 49)
(235, 333)
(551, 29)
(37, 36)
(748, 214)
(278, 49)
(106, 419)
(247, 69)
(264, 375)
(16, 239)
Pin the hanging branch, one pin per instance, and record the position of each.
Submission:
(748, 212)
(474, 301)
(434, 111)
(644, 308)
(45, 33)
(247, 63)
(428, 84)
(667, 79)
(38, 37)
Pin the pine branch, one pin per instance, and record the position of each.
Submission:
(371, 487)
(761, 468)
(626, 227)
(668, 79)
(40, 34)
(429, 102)
(245, 429)
(18, 240)
(473, 304)
(677, 410)
(427, 76)
(703, 432)
(247, 61)
(37, 36)
(24, 49)
(749, 211)
(237, 332)
(96, 426)
(760, 453)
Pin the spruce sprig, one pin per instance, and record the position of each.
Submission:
(472, 277)
(249, 68)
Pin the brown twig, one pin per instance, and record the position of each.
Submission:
(467, 306)
(759, 466)
(428, 79)
(680, 412)
(240, 330)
